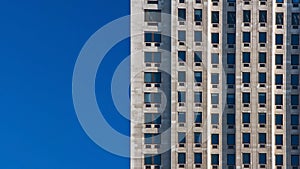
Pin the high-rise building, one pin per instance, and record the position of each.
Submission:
(215, 84)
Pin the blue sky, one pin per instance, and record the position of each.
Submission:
(39, 44)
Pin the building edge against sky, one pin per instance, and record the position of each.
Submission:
(215, 84)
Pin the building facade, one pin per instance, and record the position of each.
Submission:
(215, 84)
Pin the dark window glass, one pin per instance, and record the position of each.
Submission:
(230, 159)
(181, 158)
(278, 59)
(295, 39)
(151, 159)
(181, 56)
(231, 139)
(294, 120)
(278, 119)
(262, 77)
(246, 57)
(231, 17)
(262, 57)
(230, 98)
(230, 38)
(152, 97)
(279, 18)
(262, 37)
(215, 38)
(295, 79)
(198, 97)
(152, 118)
(279, 1)
(198, 76)
(230, 119)
(246, 158)
(215, 159)
(278, 99)
(215, 78)
(181, 97)
(181, 36)
(295, 160)
(246, 117)
(152, 77)
(215, 17)
(197, 56)
(246, 16)
(246, 77)
(295, 140)
(262, 158)
(197, 137)
(295, 100)
(278, 159)
(152, 37)
(295, 18)
(181, 14)
(181, 137)
(215, 139)
(198, 158)
(262, 118)
(152, 138)
(262, 98)
(154, 57)
(295, 59)
(181, 117)
(230, 78)
(246, 138)
(263, 16)
(198, 15)
(246, 37)
(278, 139)
(198, 117)
(279, 39)
(262, 138)
(231, 58)
(278, 79)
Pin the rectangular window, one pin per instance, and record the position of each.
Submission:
(262, 37)
(262, 98)
(214, 118)
(181, 36)
(246, 118)
(279, 18)
(197, 56)
(152, 118)
(295, 160)
(246, 37)
(262, 158)
(231, 78)
(181, 56)
(278, 79)
(198, 36)
(181, 137)
(152, 97)
(279, 39)
(215, 58)
(214, 17)
(295, 18)
(246, 138)
(231, 139)
(279, 1)
(152, 15)
(295, 39)
(246, 77)
(215, 38)
(230, 58)
(198, 158)
(215, 159)
(278, 119)
(278, 59)
(198, 97)
(214, 98)
(215, 139)
(198, 15)
(152, 159)
(295, 59)
(294, 79)
(295, 140)
(262, 138)
(198, 77)
(231, 18)
(197, 137)
(230, 119)
(262, 118)
(263, 16)
(181, 117)
(278, 139)
(246, 16)
(278, 99)
(181, 14)
(262, 57)
(230, 99)
(215, 78)
(152, 77)
(246, 57)
(230, 159)
(231, 38)
(152, 138)
(181, 97)
(278, 159)
(152, 57)
(246, 158)
(152, 37)
(246, 97)
(181, 76)
(295, 1)
(262, 77)
(181, 158)
(295, 100)
(294, 120)
(198, 117)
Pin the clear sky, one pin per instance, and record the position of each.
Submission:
(39, 43)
